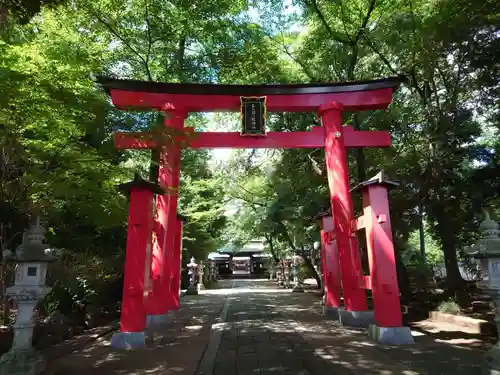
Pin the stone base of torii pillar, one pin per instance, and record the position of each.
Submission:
(330, 312)
(154, 320)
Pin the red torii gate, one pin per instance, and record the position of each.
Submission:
(177, 101)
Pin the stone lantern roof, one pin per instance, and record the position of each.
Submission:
(33, 248)
(489, 244)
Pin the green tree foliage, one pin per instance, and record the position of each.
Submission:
(433, 121)
(57, 155)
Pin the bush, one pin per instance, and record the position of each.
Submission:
(77, 292)
(450, 307)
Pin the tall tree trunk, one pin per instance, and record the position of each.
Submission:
(307, 259)
(180, 58)
(454, 280)
(3, 20)
(312, 270)
(403, 280)
(269, 239)
(5, 298)
(421, 231)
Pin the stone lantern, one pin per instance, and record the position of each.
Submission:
(31, 258)
(486, 252)
(193, 273)
(317, 255)
(287, 273)
(297, 277)
(281, 274)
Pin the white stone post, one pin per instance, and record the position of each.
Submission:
(201, 276)
(31, 258)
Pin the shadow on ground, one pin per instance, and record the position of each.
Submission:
(175, 349)
(269, 332)
(293, 329)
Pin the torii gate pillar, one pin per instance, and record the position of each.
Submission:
(331, 268)
(355, 311)
(165, 296)
(136, 272)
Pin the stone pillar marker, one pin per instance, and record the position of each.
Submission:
(486, 252)
(32, 257)
(201, 275)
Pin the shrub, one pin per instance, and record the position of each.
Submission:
(75, 290)
(450, 306)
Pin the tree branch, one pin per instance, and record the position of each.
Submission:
(284, 232)
(150, 39)
(357, 37)
(379, 54)
(361, 30)
(124, 41)
(301, 64)
(269, 239)
(322, 18)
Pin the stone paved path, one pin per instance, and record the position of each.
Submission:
(255, 329)
(175, 349)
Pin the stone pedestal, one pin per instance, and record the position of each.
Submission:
(492, 356)
(156, 320)
(361, 319)
(298, 288)
(192, 290)
(391, 335)
(22, 362)
(128, 340)
(330, 312)
(486, 252)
